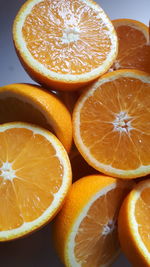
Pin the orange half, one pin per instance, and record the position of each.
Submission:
(134, 225)
(35, 176)
(33, 104)
(85, 230)
(111, 124)
(64, 44)
(134, 45)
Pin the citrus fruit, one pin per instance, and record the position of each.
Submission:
(30, 103)
(79, 166)
(111, 124)
(134, 45)
(134, 225)
(85, 232)
(69, 98)
(64, 44)
(35, 176)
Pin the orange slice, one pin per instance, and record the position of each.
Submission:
(35, 176)
(111, 124)
(134, 225)
(85, 231)
(30, 103)
(64, 44)
(134, 45)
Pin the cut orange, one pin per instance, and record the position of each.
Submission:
(85, 232)
(69, 98)
(134, 45)
(111, 124)
(64, 44)
(134, 225)
(35, 176)
(79, 166)
(30, 103)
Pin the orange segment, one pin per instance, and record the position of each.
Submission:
(37, 155)
(134, 226)
(93, 226)
(134, 47)
(32, 200)
(3, 148)
(111, 122)
(32, 104)
(88, 235)
(35, 176)
(15, 142)
(64, 44)
(53, 184)
(8, 202)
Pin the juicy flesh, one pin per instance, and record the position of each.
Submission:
(66, 36)
(30, 175)
(115, 123)
(142, 215)
(134, 49)
(96, 241)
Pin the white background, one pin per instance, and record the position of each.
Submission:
(37, 250)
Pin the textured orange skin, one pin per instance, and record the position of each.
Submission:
(128, 242)
(54, 110)
(79, 195)
(41, 78)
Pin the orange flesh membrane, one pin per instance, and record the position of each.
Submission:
(97, 239)
(134, 49)
(66, 37)
(142, 214)
(30, 192)
(115, 123)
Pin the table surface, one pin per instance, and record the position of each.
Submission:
(37, 250)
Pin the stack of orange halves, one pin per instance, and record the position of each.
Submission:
(66, 45)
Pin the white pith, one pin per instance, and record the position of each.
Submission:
(6, 171)
(78, 139)
(122, 123)
(58, 197)
(70, 35)
(133, 222)
(108, 228)
(70, 244)
(36, 65)
(116, 66)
